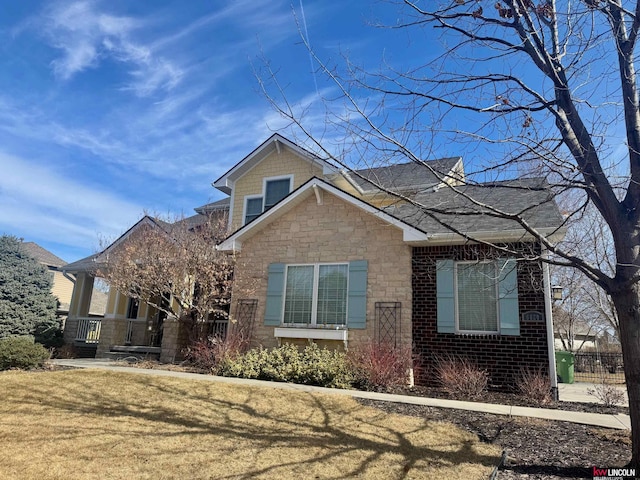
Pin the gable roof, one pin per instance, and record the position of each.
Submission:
(98, 260)
(214, 206)
(41, 254)
(529, 198)
(274, 143)
(404, 176)
(311, 187)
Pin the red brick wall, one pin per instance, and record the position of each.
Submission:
(502, 356)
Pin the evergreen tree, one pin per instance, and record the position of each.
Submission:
(27, 306)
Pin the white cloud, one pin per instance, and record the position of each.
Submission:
(86, 36)
(36, 199)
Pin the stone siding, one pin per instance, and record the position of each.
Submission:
(503, 356)
(332, 232)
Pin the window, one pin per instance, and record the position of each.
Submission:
(132, 308)
(273, 190)
(316, 294)
(253, 209)
(477, 297)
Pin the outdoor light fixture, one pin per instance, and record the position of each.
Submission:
(556, 292)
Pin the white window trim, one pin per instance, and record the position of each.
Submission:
(130, 301)
(455, 293)
(264, 194)
(244, 208)
(314, 296)
(268, 179)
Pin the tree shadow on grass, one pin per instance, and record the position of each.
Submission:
(311, 432)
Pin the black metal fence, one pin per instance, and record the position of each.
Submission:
(596, 367)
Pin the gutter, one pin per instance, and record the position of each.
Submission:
(68, 277)
(351, 181)
(550, 233)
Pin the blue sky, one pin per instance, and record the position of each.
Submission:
(112, 108)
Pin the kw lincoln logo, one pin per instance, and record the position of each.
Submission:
(613, 473)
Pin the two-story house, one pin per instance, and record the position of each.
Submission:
(341, 258)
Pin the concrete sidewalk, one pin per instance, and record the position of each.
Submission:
(617, 421)
(579, 392)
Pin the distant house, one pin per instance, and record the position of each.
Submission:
(63, 289)
(327, 256)
(580, 337)
(62, 286)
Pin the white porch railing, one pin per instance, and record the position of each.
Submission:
(88, 330)
(129, 334)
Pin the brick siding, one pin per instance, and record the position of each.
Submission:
(502, 356)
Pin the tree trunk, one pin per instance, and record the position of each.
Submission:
(627, 304)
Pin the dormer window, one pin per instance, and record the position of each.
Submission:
(274, 189)
(253, 208)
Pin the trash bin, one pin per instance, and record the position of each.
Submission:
(564, 366)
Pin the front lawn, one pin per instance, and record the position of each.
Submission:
(105, 425)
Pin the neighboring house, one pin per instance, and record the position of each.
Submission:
(326, 256)
(62, 287)
(129, 326)
(580, 337)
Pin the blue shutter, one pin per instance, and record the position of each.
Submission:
(446, 296)
(508, 297)
(275, 295)
(357, 294)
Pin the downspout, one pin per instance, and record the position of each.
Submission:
(549, 321)
(68, 277)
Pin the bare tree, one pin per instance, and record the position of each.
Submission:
(174, 267)
(585, 307)
(575, 316)
(523, 86)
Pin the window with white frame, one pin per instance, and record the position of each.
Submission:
(132, 308)
(316, 294)
(476, 297)
(252, 208)
(274, 189)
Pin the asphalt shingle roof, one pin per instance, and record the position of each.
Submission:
(217, 205)
(42, 255)
(403, 175)
(530, 198)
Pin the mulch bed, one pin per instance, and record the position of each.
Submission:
(535, 448)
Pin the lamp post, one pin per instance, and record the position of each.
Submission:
(556, 292)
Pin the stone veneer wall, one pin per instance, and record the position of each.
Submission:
(502, 356)
(70, 330)
(332, 232)
(175, 337)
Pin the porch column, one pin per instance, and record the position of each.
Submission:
(174, 338)
(79, 305)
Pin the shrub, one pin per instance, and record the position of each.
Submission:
(64, 351)
(21, 352)
(609, 395)
(209, 353)
(380, 365)
(534, 385)
(461, 377)
(312, 366)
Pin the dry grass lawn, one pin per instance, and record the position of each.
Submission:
(106, 425)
